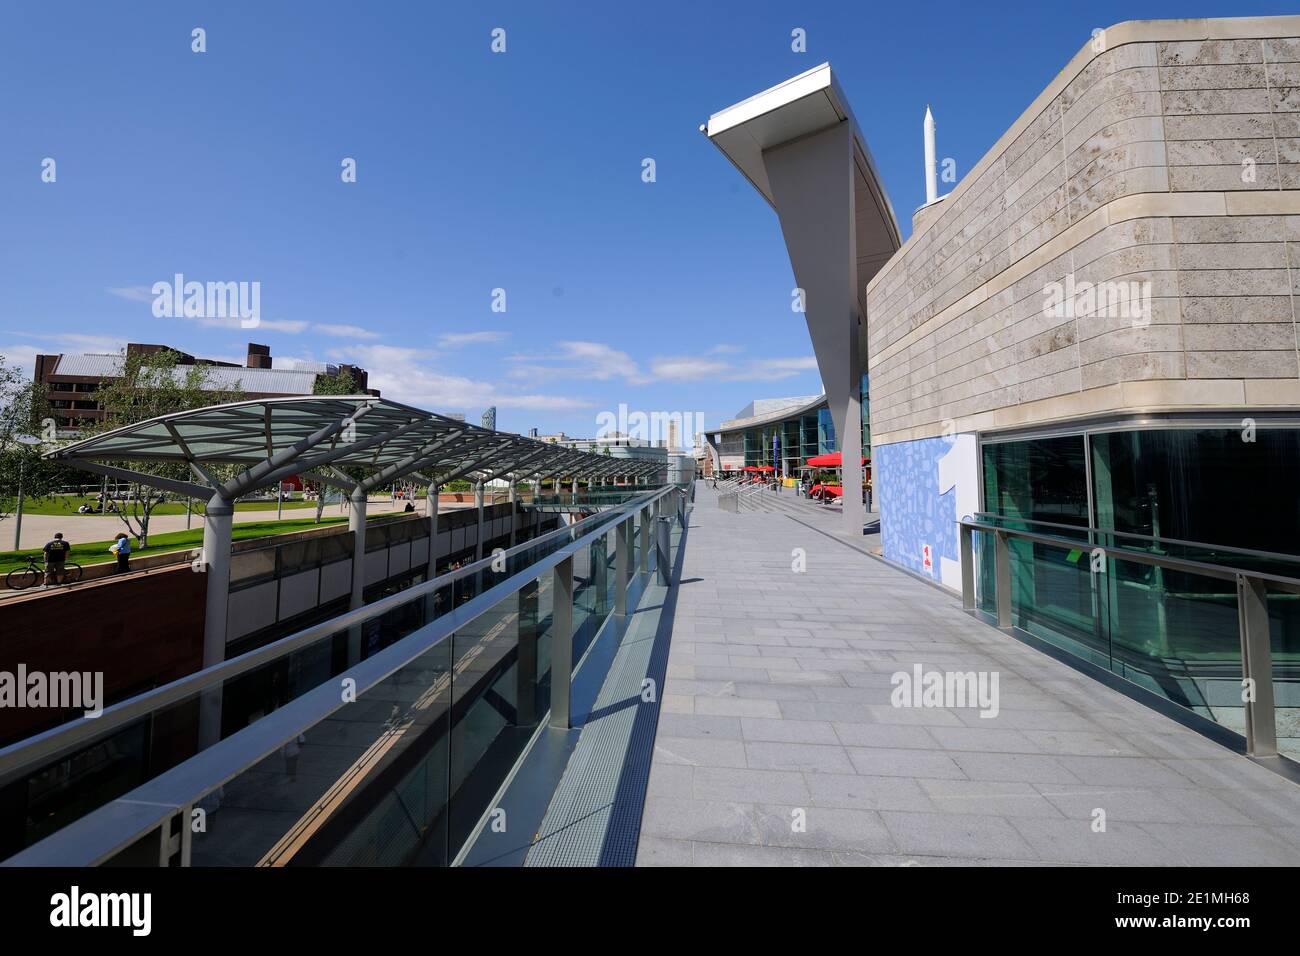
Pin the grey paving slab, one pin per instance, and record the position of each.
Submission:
(779, 744)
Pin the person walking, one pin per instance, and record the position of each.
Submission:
(122, 548)
(56, 552)
(292, 751)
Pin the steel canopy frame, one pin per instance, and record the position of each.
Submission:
(320, 436)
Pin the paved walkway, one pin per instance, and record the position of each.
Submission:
(778, 744)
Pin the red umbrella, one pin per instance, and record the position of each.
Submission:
(751, 468)
(829, 460)
(765, 468)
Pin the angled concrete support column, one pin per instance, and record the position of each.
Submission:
(431, 508)
(514, 511)
(431, 608)
(216, 560)
(216, 564)
(357, 525)
(478, 506)
(812, 180)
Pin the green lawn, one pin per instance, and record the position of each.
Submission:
(68, 505)
(96, 552)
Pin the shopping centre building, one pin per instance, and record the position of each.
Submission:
(1093, 337)
(1095, 327)
(780, 432)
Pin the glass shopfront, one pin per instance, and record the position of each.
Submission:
(1191, 492)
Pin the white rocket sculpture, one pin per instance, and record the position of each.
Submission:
(931, 169)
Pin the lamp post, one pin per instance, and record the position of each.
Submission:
(22, 467)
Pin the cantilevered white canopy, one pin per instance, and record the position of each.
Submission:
(800, 146)
(802, 106)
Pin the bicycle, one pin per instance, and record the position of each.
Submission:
(20, 579)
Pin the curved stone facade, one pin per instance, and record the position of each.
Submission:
(1163, 160)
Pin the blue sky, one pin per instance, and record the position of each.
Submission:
(475, 171)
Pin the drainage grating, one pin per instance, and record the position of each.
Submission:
(595, 816)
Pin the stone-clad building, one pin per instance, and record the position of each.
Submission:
(1093, 336)
(1080, 328)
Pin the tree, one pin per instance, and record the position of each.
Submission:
(320, 490)
(26, 430)
(340, 383)
(150, 385)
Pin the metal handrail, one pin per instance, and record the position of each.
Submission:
(48, 743)
(106, 830)
(747, 495)
(1224, 572)
(1252, 609)
(1152, 539)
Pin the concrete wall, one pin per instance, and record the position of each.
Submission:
(1131, 166)
(269, 602)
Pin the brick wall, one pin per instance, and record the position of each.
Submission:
(140, 631)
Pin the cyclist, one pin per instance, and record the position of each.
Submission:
(55, 553)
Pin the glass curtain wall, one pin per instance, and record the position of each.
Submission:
(1175, 633)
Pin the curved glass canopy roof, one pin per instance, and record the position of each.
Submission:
(320, 436)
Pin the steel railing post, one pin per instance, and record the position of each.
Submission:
(645, 541)
(1002, 570)
(966, 554)
(622, 565)
(663, 548)
(526, 686)
(562, 643)
(1256, 666)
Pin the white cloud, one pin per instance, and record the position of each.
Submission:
(289, 326)
(20, 356)
(24, 356)
(74, 340)
(577, 360)
(785, 367)
(581, 361)
(694, 368)
(144, 293)
(343, 331)
(685, 368)
(452, 340)
(407, 375)
(133, 293)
